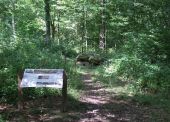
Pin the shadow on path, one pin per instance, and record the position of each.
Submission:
(96, 104)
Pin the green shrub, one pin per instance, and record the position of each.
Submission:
(28, 54)
(146, 76)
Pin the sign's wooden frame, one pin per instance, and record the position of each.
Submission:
(20, 92)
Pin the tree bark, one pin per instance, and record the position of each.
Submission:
(58, 23)
(84, 28)
(102, 27)
(13, 27)
(53, 29)
(83, 32)
(13, 21)
(48, 21)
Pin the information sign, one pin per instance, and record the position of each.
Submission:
(42, 78)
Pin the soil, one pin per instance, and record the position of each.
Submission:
(97, 103)
(103, 105)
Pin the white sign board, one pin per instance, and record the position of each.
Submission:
(42, 78)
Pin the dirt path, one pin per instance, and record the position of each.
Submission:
(103, 106)
(96, 96)
(97, 103)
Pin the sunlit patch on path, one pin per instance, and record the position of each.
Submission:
(96, 96)
(102, 105)
(94, 92)
(97, 103)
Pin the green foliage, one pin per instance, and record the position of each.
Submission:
(144, 76)
(25, 54)
(1, 119)
(137, 35)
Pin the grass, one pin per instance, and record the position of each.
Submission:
(157, 105)
(1, 118)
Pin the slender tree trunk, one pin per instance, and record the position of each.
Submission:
(58, 25)
(13, 21)
(48, 21)
(105, 39)
(82, 44)
(85, 28)
(83, 32)
(13, 27)
(102, 27)
(53, 29)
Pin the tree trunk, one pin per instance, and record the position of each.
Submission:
(58, 24)
(102, 27)
(83, 31)
(85, 27)
(48, 21)
(53, 29)
(13, 27)
(13, 21)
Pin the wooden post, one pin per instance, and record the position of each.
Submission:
(75, 65)
(64, 92)
(20, 93)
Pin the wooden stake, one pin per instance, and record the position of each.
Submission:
(20, 93)
(64, 92)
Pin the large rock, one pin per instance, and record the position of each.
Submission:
(83, 58)
(95, 60)
(80, 63)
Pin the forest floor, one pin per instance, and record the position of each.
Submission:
(96, 103)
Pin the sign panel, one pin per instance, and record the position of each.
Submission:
(42, 78)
